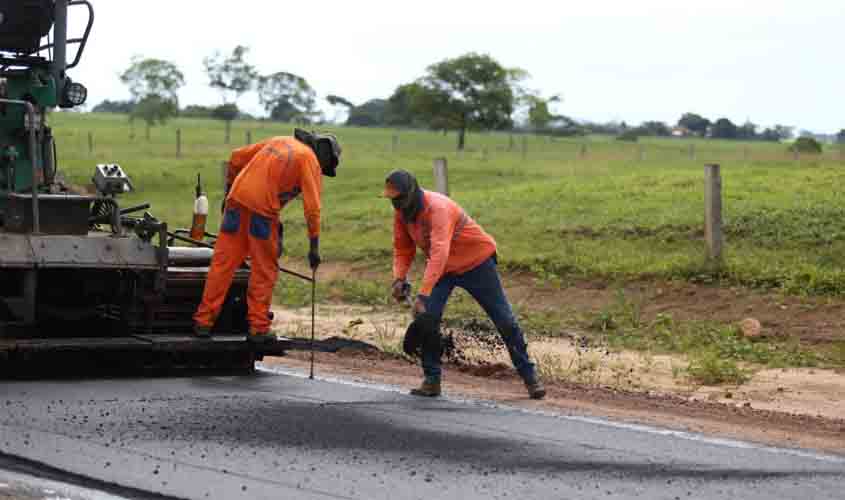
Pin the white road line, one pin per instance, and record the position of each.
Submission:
(690, 436)
(52, 490)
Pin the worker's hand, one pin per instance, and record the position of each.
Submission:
(400, 289)
(421, 304)
(314, 254)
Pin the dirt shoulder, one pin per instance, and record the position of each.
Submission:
(794, 407)
(810, 319)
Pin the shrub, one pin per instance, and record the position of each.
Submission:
(708, 367)
(631, 135)
(806, 145)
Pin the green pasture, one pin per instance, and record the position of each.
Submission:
(567, 208)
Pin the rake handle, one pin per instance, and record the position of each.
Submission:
(313, 316)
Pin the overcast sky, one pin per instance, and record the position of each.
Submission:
(770, 61)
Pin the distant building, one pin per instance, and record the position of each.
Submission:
(681, 132)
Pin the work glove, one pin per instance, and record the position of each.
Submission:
(314, 254)
(400, 289)
(281, 244)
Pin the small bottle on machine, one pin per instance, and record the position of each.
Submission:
(200, 213)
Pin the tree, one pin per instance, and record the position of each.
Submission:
(696, 124)
(806, 145)
(748, 131)
(609, 128)
(630, 135)
(472, 91)
(724, 129)
(398, 111)
(153, 110)
(784, 132)
(232, 76)
(776, 134)
(226, 112)
(341, 107)
(154, 85)
(370, 114)
(654, 128)
(153, 77)
(840, 137)
(107, 106)
(197, 111)
(336, 100)
(539, 115)
(287, 97)
(564, 126)
(770, 135)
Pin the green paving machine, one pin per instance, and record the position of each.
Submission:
(86, 283)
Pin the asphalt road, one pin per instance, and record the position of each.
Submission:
(281, 436)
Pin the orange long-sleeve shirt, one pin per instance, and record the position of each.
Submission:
(267, 175)
(453, 243)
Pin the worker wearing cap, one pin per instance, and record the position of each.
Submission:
(458, 253)
(260, 180)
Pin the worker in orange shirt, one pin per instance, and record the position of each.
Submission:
(458, 253)
(261, 179)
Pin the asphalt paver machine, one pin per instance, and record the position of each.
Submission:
(84, 282)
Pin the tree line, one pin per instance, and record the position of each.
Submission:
(469, 92)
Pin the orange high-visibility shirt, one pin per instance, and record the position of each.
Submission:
(453, 243)
(267, 175)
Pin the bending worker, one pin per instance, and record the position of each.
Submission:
(261, 179)
(458, 253)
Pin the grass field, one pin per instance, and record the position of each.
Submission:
(569, 208)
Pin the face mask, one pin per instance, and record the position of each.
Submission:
(324, 146)
(327, 158)
(410, 202)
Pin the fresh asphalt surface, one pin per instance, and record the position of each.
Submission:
(278, 435)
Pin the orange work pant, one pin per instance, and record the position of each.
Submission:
(242, 233)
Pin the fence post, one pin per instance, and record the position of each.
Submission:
(178, 142)
(583, 150)
(90, 143)
(510, 144)
(228, 131)
(441, 176)
(248, 137)
(713, 212)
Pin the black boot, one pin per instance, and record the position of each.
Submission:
(427, 389)
(535, 387)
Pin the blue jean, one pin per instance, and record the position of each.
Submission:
(483, 283)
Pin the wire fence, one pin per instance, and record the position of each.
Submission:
(178, 141)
